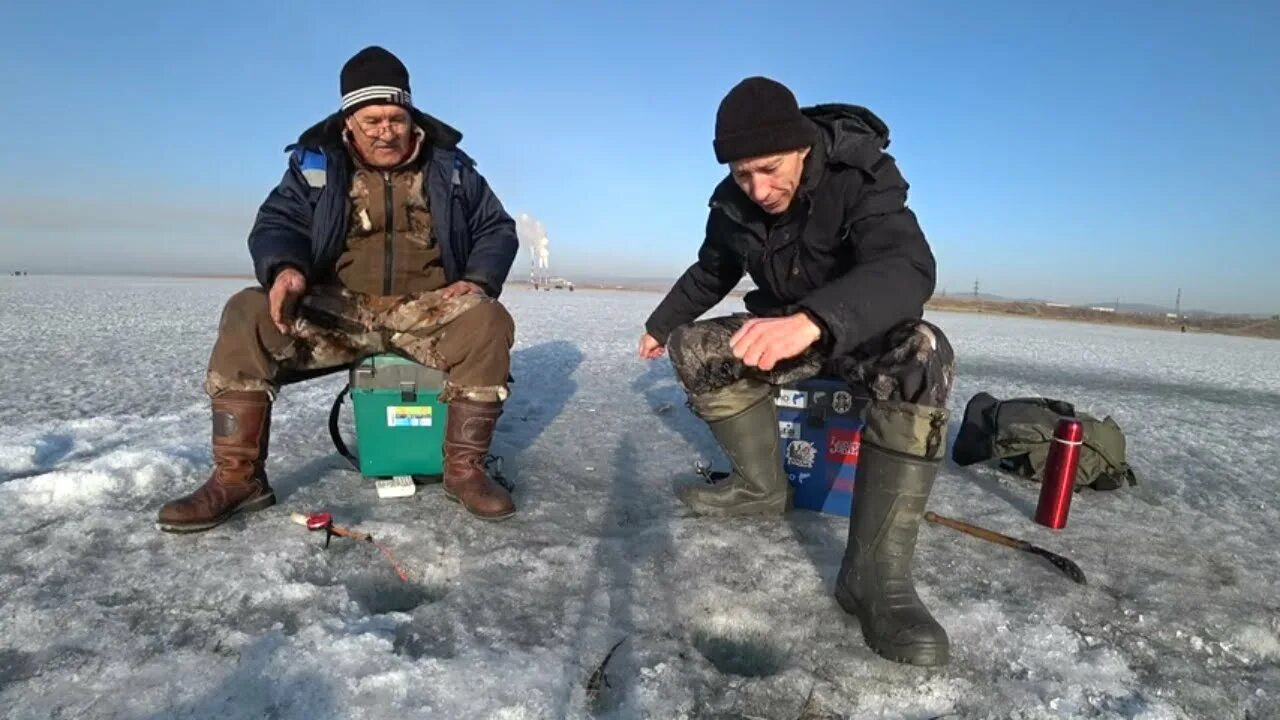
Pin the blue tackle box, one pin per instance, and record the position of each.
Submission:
(820, 423)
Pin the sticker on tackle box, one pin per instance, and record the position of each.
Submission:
(789, 398)
(408, 416)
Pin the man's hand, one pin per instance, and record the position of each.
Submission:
(650, 348)
(462, 287)
(288, 286)
(764, 342)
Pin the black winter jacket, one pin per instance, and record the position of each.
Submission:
(848, 251)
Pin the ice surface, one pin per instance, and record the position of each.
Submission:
(102, 419)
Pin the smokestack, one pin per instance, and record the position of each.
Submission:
(533, 235)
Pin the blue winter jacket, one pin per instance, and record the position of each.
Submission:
(303, 221)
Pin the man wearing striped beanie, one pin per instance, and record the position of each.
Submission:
(375, 86)
(381, 237)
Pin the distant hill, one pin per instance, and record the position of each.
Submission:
(1124, 307)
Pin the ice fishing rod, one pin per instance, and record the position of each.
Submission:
(1067, 567)
(324, 521)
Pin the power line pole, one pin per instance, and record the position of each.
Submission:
(1177, 305)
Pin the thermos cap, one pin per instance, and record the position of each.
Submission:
(1069, 430)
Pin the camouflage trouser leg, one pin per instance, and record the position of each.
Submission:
(251, 354)
(718, 384)
(469, 337)
(909, 372)
(912, 363)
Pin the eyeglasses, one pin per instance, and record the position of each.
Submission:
(378, 127)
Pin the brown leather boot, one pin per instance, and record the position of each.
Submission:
(466, 440)
(241, 433)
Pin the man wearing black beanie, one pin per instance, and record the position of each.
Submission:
(380, 237)
(814, 211)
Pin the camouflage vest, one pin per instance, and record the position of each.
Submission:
(390, 248)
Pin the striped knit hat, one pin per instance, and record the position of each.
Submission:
(374, 76)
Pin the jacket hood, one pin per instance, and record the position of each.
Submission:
(852, 134)
(328, 132)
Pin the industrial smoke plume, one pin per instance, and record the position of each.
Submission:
(533, 235)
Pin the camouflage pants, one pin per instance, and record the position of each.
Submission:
(469, 337)
(912, 363)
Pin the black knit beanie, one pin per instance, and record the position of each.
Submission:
(759, 116)
(374, 76)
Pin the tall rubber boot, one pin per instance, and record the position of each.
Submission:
(238, 483)
(468, 435)
(757, 485)
(890, 490)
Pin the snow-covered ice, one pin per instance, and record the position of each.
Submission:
(102, 616)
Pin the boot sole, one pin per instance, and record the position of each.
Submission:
(752, 508)
(261, 502)
(491, 518)
(931, 655)
(737, 512)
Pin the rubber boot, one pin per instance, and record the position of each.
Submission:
(468, 435)
(757, 485)
(238, 483)
(890, 490)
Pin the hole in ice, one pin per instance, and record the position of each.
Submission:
(416, 641)
(51, 448)
(16, 665)
(378, 594)
(743, 653)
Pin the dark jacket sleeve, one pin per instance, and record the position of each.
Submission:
(281, 233)
(894, 270)
(705, 283)
(493, 235)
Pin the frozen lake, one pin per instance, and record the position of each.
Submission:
(101, 616)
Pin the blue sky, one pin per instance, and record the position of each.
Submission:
(1079, 151)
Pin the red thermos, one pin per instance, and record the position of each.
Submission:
(1060, 474)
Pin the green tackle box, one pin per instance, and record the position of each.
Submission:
(399, 419)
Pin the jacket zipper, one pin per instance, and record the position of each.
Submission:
(389, 254)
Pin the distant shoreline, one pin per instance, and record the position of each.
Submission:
(1239, 326)
(1231, 325)
(1220, 325)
